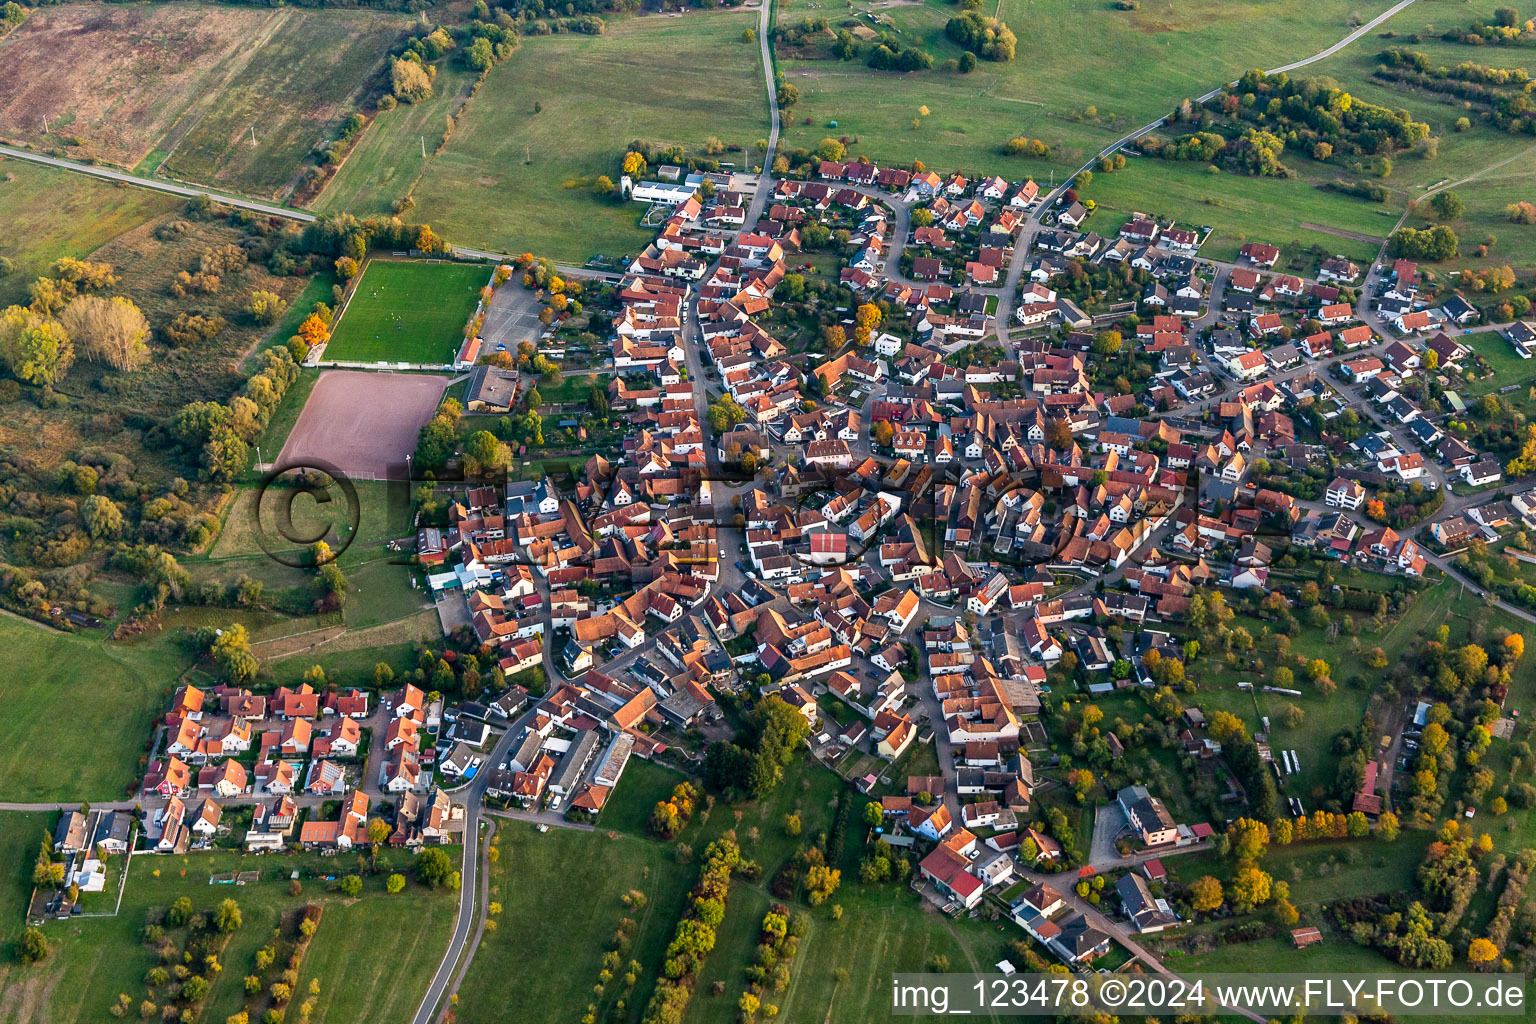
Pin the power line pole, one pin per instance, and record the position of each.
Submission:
(253, 135)
(423, 147)
(45, 124)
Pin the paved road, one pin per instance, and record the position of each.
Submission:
(472, 796)
(765, 179)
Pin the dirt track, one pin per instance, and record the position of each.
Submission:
(364, 424)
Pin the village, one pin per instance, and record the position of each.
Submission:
(1015, 467)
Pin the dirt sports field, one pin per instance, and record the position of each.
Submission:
(363, 423)
(117, 78)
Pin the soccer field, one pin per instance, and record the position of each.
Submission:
(408, 313)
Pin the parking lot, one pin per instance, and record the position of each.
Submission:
(511, 318)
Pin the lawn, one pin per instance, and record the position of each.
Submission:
(50, 213)
(305, 79)
(1070, 58)
(407, 313)
(77, 711)
(375, 957)
(516, 174)
(1319, 872)
(374, 953)
(383, 513)
(1508, 367)
(891, 932)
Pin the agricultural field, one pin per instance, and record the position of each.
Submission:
(1070, 57)
(49, 214)
(516, 174)
(407, 312)
(384, 165)
(307, 77)
(113, 80)
(375, 952)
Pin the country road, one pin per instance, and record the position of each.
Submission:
(285, 212)
(128, 178)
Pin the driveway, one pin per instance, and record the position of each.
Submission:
(1108, 823)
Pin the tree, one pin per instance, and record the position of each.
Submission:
(351, 886)
(1205, 894)
(102, 517)
(1058, 434)
(1482, 952)
(33, 946)
(865, 320)
(1447, 205)
(394, 883)
(231, 651)
(227, 918)
(987, 38)
(485, 453)
(36, 349)
(110, 331)
(882, 433)
(314, 330)
(1248, 839)
(724, 414)
(408, 81)
(480, 56)
(433, 867)
(266, 306)
(603, 186)
(1386, 826)
(1107, 343)
(633, 164)
(872, 815)
(1250, 887)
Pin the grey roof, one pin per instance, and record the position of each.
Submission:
(575, 762)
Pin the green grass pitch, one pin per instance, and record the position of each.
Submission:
(407, 313)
